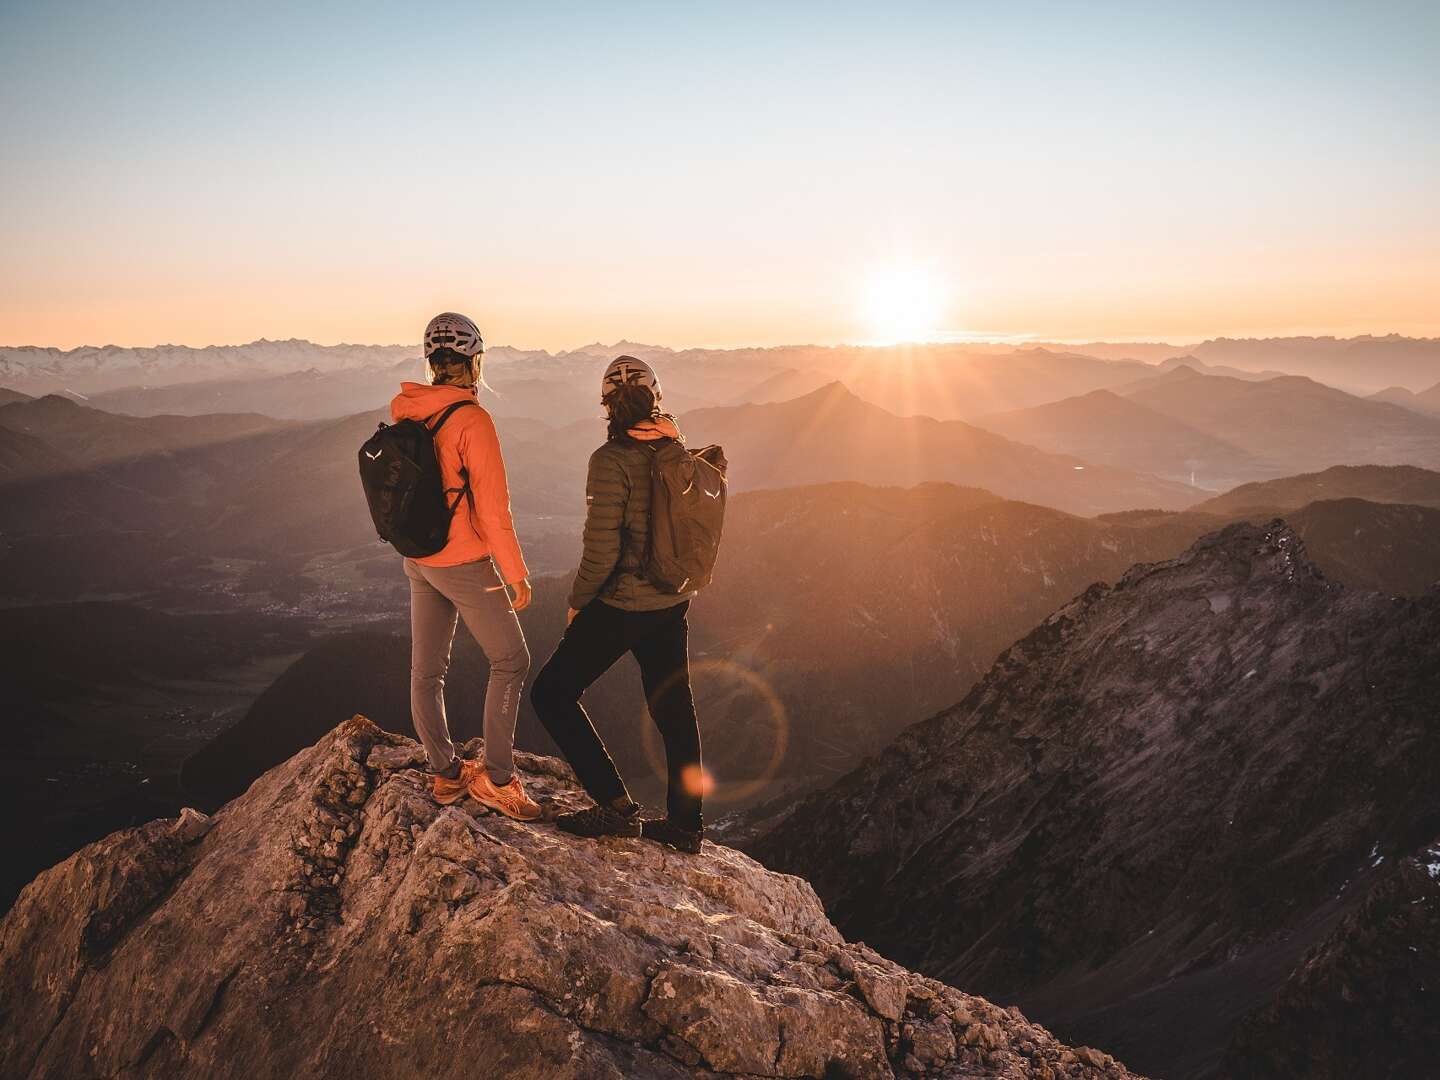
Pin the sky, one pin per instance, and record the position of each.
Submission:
(717, 174)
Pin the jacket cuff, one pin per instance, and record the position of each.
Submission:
(512, 566)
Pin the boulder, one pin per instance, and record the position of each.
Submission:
(334, 921)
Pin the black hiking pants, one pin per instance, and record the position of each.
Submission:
(659, 640)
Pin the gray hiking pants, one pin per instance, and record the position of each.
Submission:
(474, 592)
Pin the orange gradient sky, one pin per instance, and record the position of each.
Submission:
(718, 175)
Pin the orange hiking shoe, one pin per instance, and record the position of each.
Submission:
(452, 791)
(509, 799)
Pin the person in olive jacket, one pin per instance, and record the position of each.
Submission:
(614, 610)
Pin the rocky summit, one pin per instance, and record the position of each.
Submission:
(1153, 807)
(334, 921)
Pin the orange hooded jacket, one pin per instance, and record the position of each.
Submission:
(481, 526)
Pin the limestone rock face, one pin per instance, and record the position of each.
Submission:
(334, 921)
(1153, 805)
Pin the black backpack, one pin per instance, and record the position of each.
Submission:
(401, 477)
(687, 513)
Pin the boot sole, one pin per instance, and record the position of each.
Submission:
(684, 848)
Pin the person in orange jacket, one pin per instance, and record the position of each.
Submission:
(470, 578)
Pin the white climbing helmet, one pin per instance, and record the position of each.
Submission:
(451, 331)
(629, 371)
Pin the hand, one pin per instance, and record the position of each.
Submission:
(522, 594)
(662, 427)
(570, 614)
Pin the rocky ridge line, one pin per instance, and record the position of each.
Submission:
(334, 921)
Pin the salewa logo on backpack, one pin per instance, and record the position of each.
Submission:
(407, 497)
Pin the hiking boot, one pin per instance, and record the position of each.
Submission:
(448, 791)
(509, 798)
(600, 821)
(665, 831)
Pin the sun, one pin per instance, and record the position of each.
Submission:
(903, 303)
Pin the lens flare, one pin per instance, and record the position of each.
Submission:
(716, 790)
(696, 780)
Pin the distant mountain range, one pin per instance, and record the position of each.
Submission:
(1292, 423)
(947, 381)
(248, 486)
(1152, 806)
(90, 370)
(831, 434)
(1225, 431)
(1360, 364)
(1107, 428)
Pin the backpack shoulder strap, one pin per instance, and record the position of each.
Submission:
(446, 413)
(462, 492)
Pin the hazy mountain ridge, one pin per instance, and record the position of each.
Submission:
(91, 369)
(832, 434)
(948, 381)
(1426, 401)
(1109, 429)
(1016, 842)
(1224, 431)
(1365, 363)
(1374, 483)
(1293, 424)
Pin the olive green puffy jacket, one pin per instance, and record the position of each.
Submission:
(617, 528)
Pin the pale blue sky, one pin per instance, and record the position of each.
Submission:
(715, 174)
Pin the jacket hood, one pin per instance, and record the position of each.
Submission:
(420, 401)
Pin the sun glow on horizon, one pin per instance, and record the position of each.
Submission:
(903, 303)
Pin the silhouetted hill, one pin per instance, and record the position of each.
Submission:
(1427, 401)
(1105, 428)
(782, 386)
(833, 435)
(1195, 363)
(165, 458)
(1375, 483)
(89, 436)
(1293, 424)
(1153, 805)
